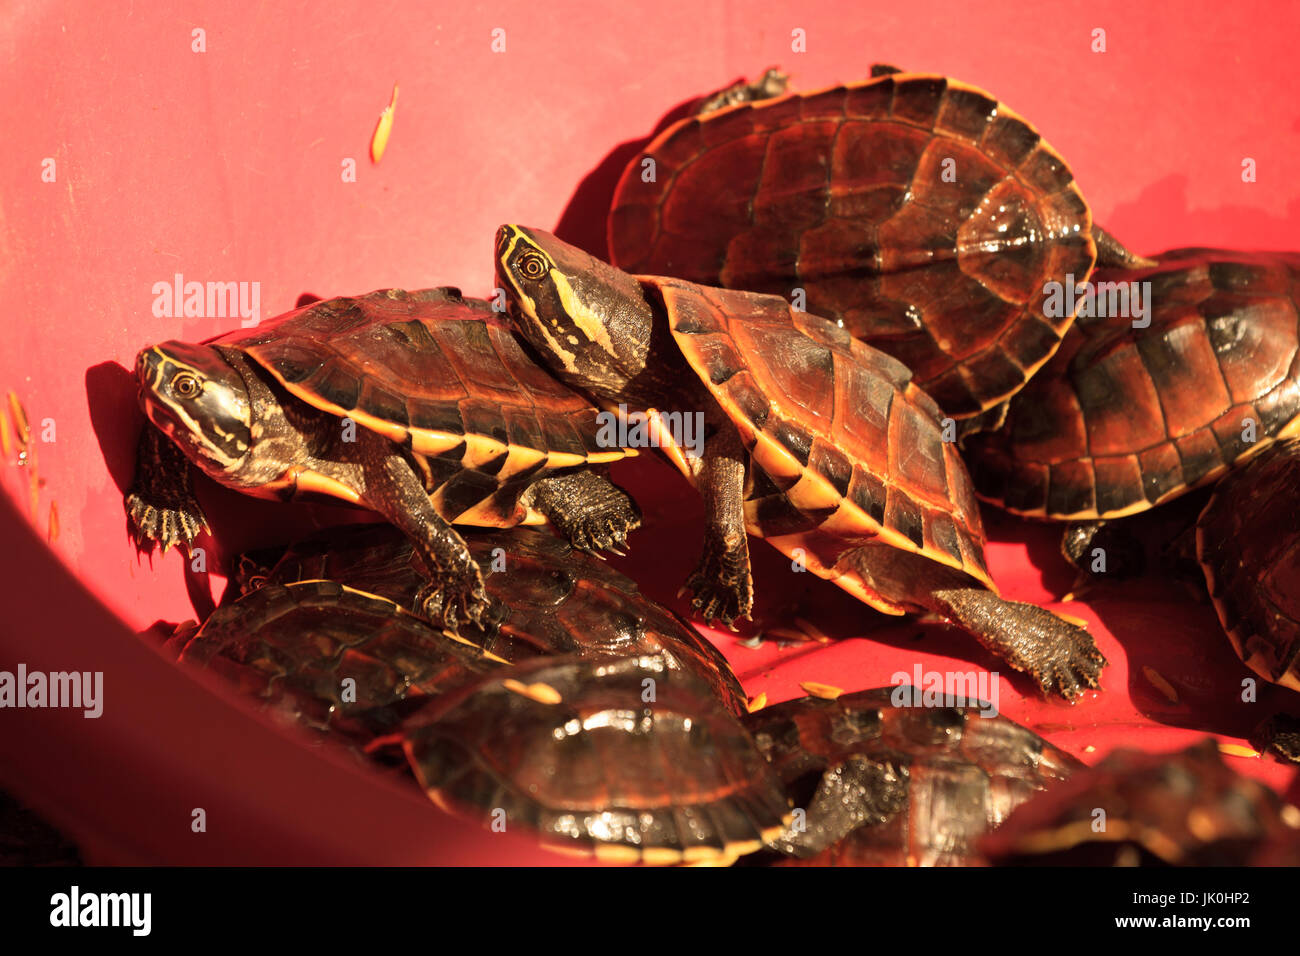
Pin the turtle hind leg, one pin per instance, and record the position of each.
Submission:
(1113, 253)
(1063, 658)
(160, 504)
(587, 508)
(771, 84)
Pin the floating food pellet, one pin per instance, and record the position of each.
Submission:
(1089, 749)
(542, 693)
(20, 421)
(824, 691)
(1237, 750)
(1160, 684)
(758, 702)
(1071, 619)
(52, 531)
(383, 129)
(6, 443)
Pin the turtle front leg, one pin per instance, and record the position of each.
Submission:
(723, 584)
(587, 508)
(455, 593)
(160, 504)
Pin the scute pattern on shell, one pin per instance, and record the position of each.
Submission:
(606, 770)
(1124, 418)
(849, 448)
(919, 212)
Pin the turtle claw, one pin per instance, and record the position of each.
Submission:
(455, 598)
(722, 586)
(166, 520)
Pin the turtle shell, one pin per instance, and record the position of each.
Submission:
(547, 598)
(918, 212)
(1124, 418)
(293, 645)
(439, 374)
(1248, 543)
(848, 448)
(629, 760)
(885, 781)
(1181, 809)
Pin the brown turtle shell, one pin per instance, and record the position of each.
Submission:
(1124, 418)
(885, 781)
(848, 448)
(443, 376)
(547, 598)
(1181, 809)
(1248, 543)
(628, 760)
(292, 646)
(918, 212)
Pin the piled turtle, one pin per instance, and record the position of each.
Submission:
(1183, 809)
(420, 406)
(812, 440)
(917, 212)
(880, 781)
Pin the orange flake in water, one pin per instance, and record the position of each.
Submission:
(758, 702)
(542, 693)
(1160, 684)
(52, 530)
(383, 129)
(1237, 750)
(20, 421)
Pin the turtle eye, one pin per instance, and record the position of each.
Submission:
(532, 266)
(186, 385)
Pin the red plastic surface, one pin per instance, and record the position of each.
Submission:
(226, 165)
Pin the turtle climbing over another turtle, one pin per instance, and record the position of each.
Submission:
(627, 760)
(1181, 809)
(884, 781)
(420, 406)
(547, 597)
(811, 439)
(916, 211)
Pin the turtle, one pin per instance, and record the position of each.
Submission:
(628, 760)
(1133, 412)
(915, 210)
(1248, 544)
(884, 780)
(547, 597)
(1182, 809)
(294, 647)
(811, 439)
(420, 406)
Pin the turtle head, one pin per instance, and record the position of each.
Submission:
(199, 401)
(590, 322)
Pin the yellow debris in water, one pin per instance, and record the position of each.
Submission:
(1071, 619)
(542, 693)
(757, 703)
(52, 532)
(1160, 684)
(824, 691)
(383, 129)
(6, 443)
(1067, 598)
(1237, 750)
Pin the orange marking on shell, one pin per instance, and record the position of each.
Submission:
(383, 129)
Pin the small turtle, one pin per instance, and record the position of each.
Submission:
(629, 760)
(1181, 809)
(420, 406)
(918, 212)
(811, 439)
(547, 598)
(1125, 416)
(884, 781)
(1248, 543)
